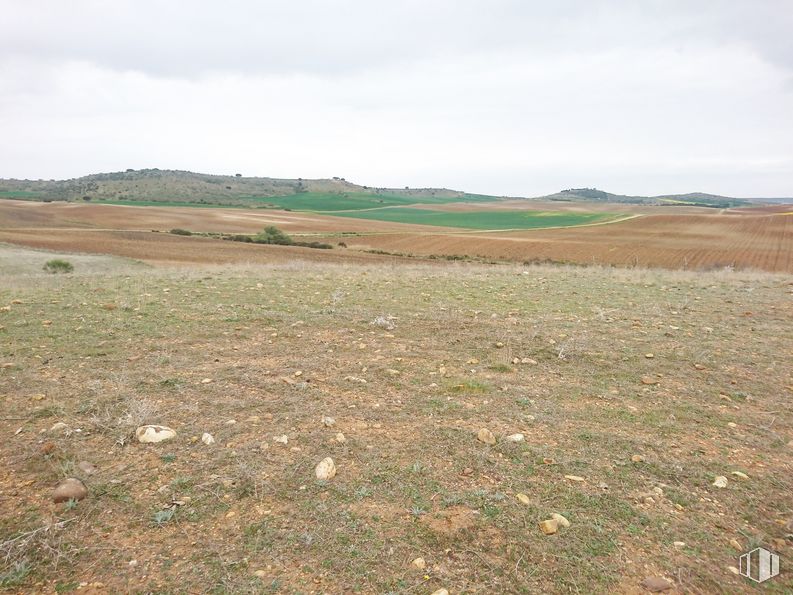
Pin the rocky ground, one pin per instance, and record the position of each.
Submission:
(384, 428)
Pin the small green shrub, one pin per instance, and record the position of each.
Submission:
(273, 235)
(181, 232)
(58, 266)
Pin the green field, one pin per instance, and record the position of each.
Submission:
(480, 219)
(351, 201)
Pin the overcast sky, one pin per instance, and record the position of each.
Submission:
(513, 97)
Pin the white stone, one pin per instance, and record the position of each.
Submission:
(325, 469)
(153, 433)
(515, 438)
(207, 438)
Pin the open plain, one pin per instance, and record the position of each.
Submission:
(462, 405)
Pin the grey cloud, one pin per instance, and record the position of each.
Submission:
(327, 38)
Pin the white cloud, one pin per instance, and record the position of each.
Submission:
(488, 97)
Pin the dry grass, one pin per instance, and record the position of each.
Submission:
(436, 346)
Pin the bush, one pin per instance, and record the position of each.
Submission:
(273, 235)
(58, 266)
(181, 232)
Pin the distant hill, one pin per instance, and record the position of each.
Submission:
(693, 198)
(173, 186)
(163, 187)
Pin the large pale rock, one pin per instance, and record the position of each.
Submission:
(153, 433)
(515, 438)
(720, 481)
(325, 469)
(69, 489)
(207, 438)
(560, 520)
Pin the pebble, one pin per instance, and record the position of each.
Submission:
(283, 439)
(260, 573)
(87, 467)
(419, 563)
(440, 592)
(153, 433)
(486, 436)
(523, 499)
(328, 422)
(656, 584)
(649, 380)
(574, 478)
(549, 527)
(69, 489)
(58, 426)
(637, 459)
(560, 520)
(325, 469)
(515, 438)
(679, 544)
(207, 381)
(734, 570)
(340, 438)
(720, 481)
(740, 475)
(207, 438)
(649, 355)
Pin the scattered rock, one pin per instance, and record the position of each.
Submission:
(69, 489)
(720, 481)
(637, 459)
(283, 439)
(207, 381)
(736, 544)
(340, 438)
(740, 475)
(87, 467)
(679, 544)
(328, 422)
(560, 520)
(419, 563)
(260, 573)
(549, 527)
(207, 438)
(523, 499)
(58, 426)
(699, 367)
(656, 584)
(153, 433)
(515, 438)
(499, 344)
(326, 469)
(649, 380)
(732, 424)
(528, 360)
(574, 478)
(649, 355)
(734, 570)
(486, 436)
(440, 592)
(355, 379)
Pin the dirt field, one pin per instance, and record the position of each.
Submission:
(633, 392)
(760, 239)
(668, 237)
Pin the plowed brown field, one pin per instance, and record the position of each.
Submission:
(667, 237)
